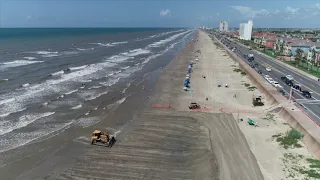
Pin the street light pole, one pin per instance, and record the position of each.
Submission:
(290, 93)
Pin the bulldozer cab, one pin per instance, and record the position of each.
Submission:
(96, 133)
(257, 100)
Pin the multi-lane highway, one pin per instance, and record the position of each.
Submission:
(310, 105)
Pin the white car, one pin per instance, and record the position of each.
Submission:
(266, 76)
(268, 69)
(276, 84)
(289, 77)
(270, 80)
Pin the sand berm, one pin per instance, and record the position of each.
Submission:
(178, 143)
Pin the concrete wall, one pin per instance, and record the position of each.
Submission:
(289, 112)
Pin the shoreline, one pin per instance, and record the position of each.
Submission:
(62, 149)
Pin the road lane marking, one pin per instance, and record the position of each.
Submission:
(273, 68)
(299, 82)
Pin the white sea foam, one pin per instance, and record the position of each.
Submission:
(82, 49)
(95, 96)
(162, 52)
(51, 86)
(57, 73)
(6, 101)
(77, 107)
(70, 52)
(118, 58)
(127, 86)
(45, 52)
(127, 67)
(136, 52)
(70, 92)
(87, 121)
(95, 87)
(22, 122)
(110, 44)
(113, 106)
(164, 41)
(50, 55)
(22, 138)
(30, 58)
(17, 63)
(110, 82)
(117, 43)
(78, 68)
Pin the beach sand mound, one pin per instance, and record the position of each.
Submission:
(165, 144)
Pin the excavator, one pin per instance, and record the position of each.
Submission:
(102, 138)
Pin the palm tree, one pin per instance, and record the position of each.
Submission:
(298, 55)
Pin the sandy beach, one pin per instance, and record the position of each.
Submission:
(174, 143)
(167, 140)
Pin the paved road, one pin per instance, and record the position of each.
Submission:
(279, 70)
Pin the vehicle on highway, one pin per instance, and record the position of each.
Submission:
(289, 77)
(306, 93)
(250, 57)
(270, 80)
(276, 84)
(289, 82)
(266, 76)
(259, 71)
(297, 87)
(256, 64)
(283, 78)
(252, 65)
(268, 69)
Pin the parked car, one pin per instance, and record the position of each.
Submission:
(259, 71)
(268, 69)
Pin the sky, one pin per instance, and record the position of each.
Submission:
(159, 13)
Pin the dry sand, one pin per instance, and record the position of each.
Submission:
(272, 159)
(178, 143)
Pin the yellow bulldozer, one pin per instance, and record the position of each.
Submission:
(102, 138)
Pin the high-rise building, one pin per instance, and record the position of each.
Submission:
(245, 30)
(223, 26)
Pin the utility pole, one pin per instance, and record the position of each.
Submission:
(290, 93)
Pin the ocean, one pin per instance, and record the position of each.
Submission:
(53, 80)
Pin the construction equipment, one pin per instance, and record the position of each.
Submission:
(102, 138)
(257, 100)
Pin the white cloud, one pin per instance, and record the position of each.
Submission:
(218, 14)
(166, 12)
(291, 10)
(287, 12)
(248, 12)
